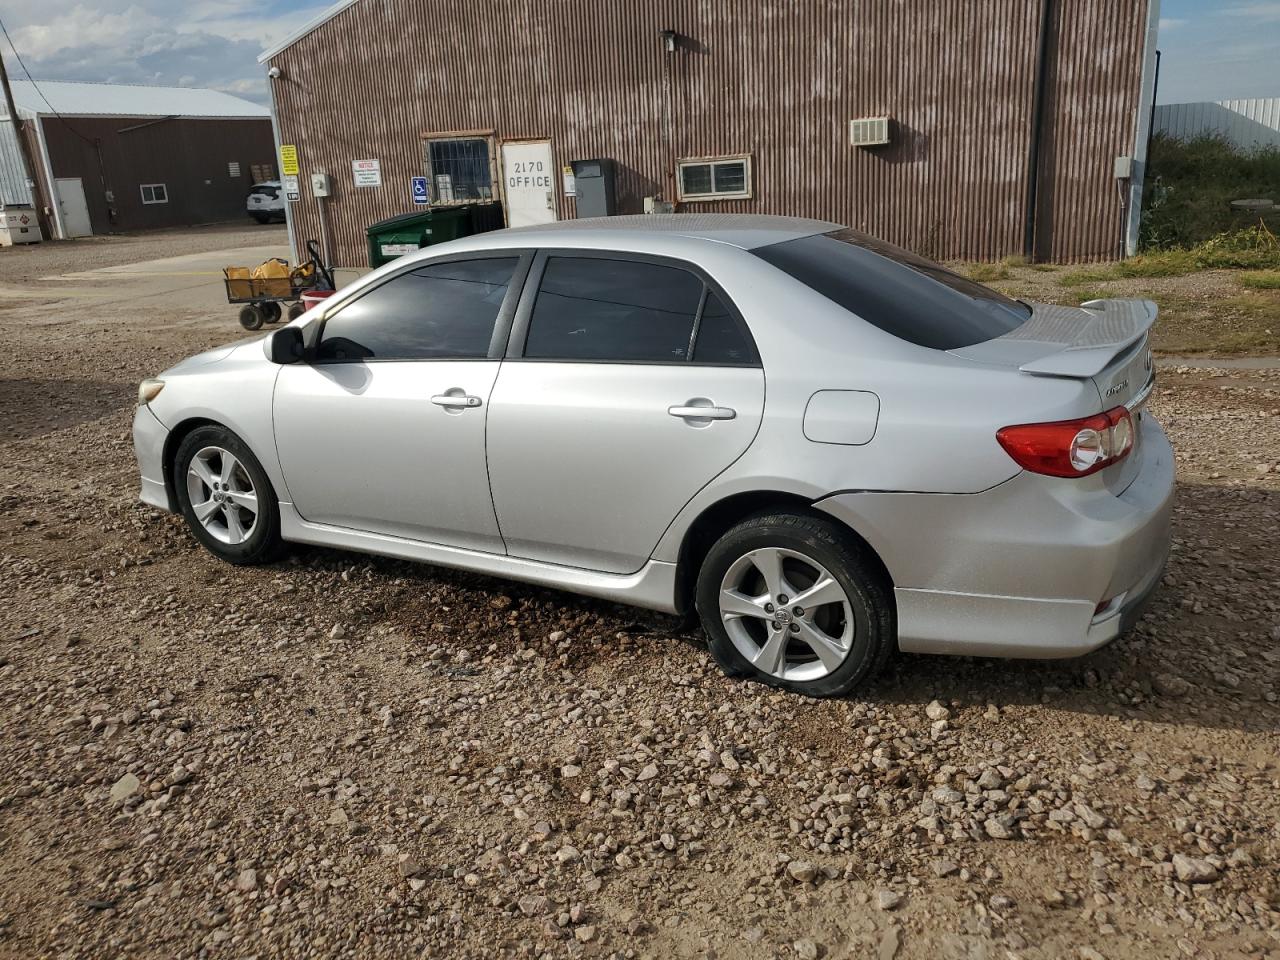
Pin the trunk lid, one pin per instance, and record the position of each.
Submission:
(1104, 341)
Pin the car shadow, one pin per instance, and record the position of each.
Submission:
(1202, 654)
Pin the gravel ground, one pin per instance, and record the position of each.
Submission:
(34, 261)
(344, 756)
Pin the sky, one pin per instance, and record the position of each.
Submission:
(1211, 49)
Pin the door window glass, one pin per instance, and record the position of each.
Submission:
(445, 310)
(625, 310)
(720, 337)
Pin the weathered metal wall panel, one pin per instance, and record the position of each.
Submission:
(1246, 123)
(778, 80)
(190, 157)
(13, 179)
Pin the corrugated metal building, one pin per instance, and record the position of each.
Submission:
(115, 157)
(737, 107)
(1248, 124)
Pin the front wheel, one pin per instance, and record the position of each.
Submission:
(791, 600)
(226, 498)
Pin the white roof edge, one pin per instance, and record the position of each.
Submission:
(312, 24)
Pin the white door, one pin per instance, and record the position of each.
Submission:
(75, 210)
(529, 180)
(612, 423)
(383, 429)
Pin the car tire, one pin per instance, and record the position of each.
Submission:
(262, 218)
(216, 477)
(842, 639)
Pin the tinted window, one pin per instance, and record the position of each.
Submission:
(269, 192)
(720, 338)
(595, 309)
(902, 294)
(444, 310)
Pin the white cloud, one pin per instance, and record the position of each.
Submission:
(1170, 23)
(212, 43)
(1267, 11)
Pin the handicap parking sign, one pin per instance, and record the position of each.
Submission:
(420, 190)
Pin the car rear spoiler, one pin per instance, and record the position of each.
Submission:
(1111, 327)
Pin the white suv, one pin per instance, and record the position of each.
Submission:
(265, 202)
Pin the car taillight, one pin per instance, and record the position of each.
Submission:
(1070, 448)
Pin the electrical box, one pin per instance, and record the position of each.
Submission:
(594, 182)
(869, 131)
(1124, 168)
(658, 205)
(320, 185)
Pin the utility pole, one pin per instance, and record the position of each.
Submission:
(39, 201)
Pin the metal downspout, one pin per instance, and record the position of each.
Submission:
(288, 206)
(1037, 132)
(55, 204)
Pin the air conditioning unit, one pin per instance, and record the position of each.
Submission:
(869, 131)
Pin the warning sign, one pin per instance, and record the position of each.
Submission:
(289, 159)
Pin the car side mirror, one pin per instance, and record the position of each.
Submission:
(285, 345)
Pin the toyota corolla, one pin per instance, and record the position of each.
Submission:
(827, 447)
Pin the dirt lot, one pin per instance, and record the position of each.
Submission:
(344, 756)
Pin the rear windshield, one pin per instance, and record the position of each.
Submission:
(908, 296)
(272, 192)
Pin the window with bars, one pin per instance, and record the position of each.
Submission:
(460, 169)
(718, 178)
(262, 172)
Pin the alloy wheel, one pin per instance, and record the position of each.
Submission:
(786, 614)
(222, 495)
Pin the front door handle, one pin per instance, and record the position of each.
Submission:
(455, 401)
(702, 413)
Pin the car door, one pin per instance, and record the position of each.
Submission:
(630, 384)
(383, 428)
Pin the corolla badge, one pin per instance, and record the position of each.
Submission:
(1117, 387)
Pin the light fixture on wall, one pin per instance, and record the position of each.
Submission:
(275, 73)
(669, 38)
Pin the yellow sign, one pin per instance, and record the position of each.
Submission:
(288, 159)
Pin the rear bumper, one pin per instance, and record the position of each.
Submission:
(1019, 570)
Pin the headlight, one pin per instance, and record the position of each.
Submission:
(148, 390)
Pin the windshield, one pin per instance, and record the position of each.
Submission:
(908, 296)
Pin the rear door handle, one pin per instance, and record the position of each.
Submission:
(450, 400)
(702, 413)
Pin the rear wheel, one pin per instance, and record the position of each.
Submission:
(261, 217)
(271, 312)
(251, 316)
(297, 310)
(226, 498)
(791, 600)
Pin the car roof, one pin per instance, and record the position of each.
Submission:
(747, 231)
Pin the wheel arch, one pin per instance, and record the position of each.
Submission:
(180, 432)
(719, 517)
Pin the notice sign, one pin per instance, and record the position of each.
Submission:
(366, 173)
(570, 182)
(290, 184)
(289, 159)
(420, 194)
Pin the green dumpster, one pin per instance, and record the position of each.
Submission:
(408, 232)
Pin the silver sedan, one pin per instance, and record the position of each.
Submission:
(828, 447)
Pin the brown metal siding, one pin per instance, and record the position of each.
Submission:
(777, 80)
(190, 157)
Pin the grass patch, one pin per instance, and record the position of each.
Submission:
(1076, 278)
(1261, 280)
(987, 272)
(1246, 323)
(1016, 260)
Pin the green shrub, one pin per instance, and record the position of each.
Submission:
(1190, 185)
